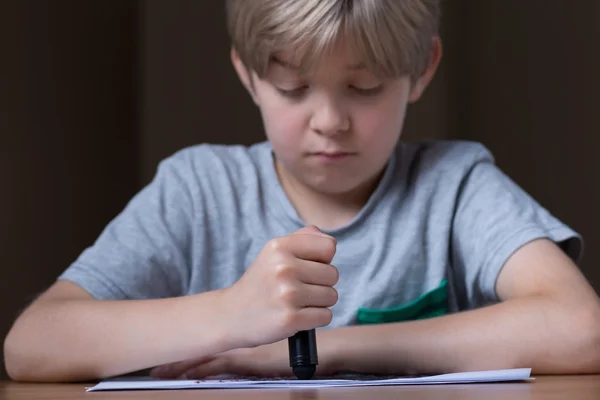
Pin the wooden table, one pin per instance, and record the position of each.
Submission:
(544, 387)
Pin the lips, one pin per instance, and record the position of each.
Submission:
(332, 155)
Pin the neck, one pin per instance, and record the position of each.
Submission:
(324, 210)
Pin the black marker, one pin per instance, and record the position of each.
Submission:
(303, 354)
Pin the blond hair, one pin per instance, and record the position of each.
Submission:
(394, 37)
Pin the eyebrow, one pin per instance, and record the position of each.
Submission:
(294, 67)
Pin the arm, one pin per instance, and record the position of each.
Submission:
(66, 335)
(549, 320)
(96, 321)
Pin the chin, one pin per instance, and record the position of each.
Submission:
(336, 186)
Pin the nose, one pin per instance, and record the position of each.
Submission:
(329, 118)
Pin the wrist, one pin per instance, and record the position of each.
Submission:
(217, 325)
(331, 346)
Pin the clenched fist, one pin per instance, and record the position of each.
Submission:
(288, 288)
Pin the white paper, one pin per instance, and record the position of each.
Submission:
(506, 375)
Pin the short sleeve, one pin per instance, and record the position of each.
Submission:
(144, 252)
(495, 217)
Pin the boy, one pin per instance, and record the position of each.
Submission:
(407, 258)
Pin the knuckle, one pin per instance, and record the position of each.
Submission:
(283, 270)
(288, 320)
(275, 244)
(289, 294)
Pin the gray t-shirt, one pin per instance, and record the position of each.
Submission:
(431, 239)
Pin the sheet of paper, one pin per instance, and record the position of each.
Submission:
(507, 375)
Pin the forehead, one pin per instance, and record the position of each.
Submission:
(341, 57)
(285, 62)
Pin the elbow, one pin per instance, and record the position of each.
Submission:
(28, 359)
(591, 333)
(17, 362)
(25, 366)
(583, 355)
(14, 364)
(23, 363)
(573, 348)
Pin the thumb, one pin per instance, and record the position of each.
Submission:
(312, 230)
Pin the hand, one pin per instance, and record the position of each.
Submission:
(286, 289)
(270, 360)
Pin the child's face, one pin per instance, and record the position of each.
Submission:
(334, 130)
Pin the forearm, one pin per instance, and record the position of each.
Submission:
(531, 332)
(67, 340)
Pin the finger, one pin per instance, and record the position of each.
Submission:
(318, 296)
(311, 318)
(173, 370)
(316, 273)
(306, 246)
(301, 295)
(217, 366)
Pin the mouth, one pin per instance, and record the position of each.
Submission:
(332, 155)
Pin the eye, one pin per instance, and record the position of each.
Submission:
(373, 91)
(293, 93)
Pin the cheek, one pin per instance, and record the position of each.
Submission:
(383, 122)
(283, 122)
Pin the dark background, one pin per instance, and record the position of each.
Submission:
(94, 93)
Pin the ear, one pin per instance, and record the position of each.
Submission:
(434, 61)
(243, 74)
